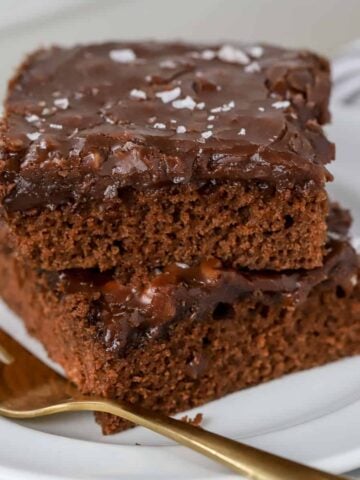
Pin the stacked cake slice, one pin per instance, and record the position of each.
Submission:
(166, 229)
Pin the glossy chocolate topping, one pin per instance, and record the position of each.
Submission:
(83, 122)
(125, 313)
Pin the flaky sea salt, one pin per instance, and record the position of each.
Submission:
(226, 107)
(168, 96)
(186, 102)
(123, 55)
(33, 136)
(56, 126)
(161, 126)
(200, 105)
(231, 54)
(32, 118)
(211, 117)
(207, 54)
(256, 51)
(253, 67)
(46, 111)
(261, 109)
(138, 94)
(242, 131)
(62, 103)
(281, 104)
(167, 64)
(180, 129)
(207, 134)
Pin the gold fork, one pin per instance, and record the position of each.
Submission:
(29, 388)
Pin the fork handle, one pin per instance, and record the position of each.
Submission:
(249, 461)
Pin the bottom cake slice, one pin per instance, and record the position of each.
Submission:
(192, 334)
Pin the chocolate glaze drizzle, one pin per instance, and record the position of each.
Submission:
(84, 122)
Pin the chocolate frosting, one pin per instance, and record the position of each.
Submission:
(126, 314)
(84, 122)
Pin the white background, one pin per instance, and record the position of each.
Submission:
(324, 25)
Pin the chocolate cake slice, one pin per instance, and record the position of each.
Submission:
(191, 334)
(148, 154)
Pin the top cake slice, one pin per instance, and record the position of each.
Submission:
(136, 155)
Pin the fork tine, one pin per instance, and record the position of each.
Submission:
(10, 348)
(13, 354)
(5, 356)
(27, 384)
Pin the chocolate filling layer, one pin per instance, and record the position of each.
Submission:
(126, 314)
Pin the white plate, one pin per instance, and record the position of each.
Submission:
(313, 416)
